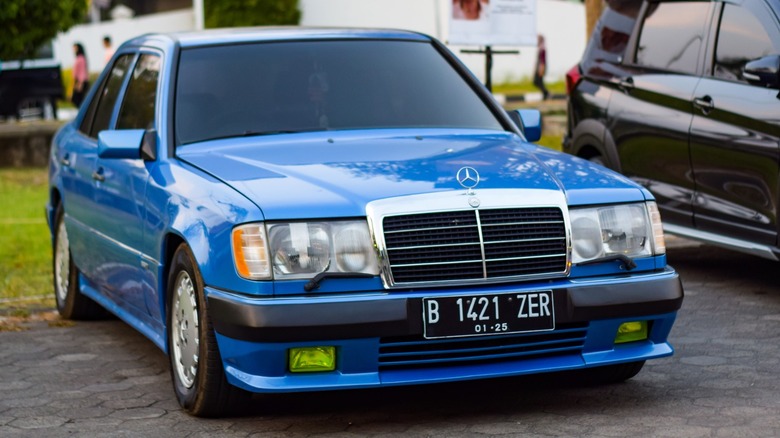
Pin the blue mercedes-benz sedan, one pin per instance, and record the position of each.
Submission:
(292, 209)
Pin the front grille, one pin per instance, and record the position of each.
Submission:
(414, 352)
(475, 244)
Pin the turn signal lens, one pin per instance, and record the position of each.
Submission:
(658, 229)
(250, 252)
(312, 359)
(631, 331)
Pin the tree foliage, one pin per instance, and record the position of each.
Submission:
(236, 13)
(28, 24)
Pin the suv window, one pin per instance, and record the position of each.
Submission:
(742, 37)
(672, 35)
(138, 105)
(101, 106)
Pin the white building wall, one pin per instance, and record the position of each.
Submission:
(91, 35)
(561, 22)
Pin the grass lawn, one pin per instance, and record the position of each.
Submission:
(551, 141)
(25, 246)
(527, 86)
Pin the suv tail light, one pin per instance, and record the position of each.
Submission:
(573, 77)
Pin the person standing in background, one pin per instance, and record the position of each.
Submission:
(80, 75)
(541, 67)
(108, 49)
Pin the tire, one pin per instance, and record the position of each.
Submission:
(613, 373)
(71, 303)
(197, 372)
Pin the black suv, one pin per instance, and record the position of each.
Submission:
(682, 96)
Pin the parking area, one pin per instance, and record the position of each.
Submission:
(104, 379)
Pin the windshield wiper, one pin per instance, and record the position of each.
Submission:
(314, 283)
(250, 133)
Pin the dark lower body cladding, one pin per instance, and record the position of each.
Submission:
(379, 337)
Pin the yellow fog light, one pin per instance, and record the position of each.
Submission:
(631, 331)
(312, 359)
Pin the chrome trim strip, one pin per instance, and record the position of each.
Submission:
(763, 251)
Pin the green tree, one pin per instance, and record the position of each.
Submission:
(28, 24)
(236, 13)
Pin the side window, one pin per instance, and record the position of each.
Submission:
(109, 94)
(742, 37)
(672, 35)
(138, 106)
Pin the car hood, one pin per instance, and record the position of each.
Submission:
(335, 174)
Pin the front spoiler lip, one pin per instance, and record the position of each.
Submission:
(400, 314)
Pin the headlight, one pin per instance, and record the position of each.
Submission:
(301, 250)
(633, 230)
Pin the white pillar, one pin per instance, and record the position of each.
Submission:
(197, 9)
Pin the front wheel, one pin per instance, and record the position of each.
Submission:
(196, 366)
(71, 303)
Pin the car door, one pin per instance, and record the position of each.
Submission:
(121, 191)
(650, 115)
(736, 130)
(78, 161)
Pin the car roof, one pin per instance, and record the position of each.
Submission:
(240, 35)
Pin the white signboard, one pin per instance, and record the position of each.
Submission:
(493, 22)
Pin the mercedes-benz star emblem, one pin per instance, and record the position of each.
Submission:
(468, 177)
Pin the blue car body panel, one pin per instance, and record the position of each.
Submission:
(125, 217)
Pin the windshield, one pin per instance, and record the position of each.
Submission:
(255, 89)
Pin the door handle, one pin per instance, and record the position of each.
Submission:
(99, 175)
(65, 160)
(626, 84)
(704, 104)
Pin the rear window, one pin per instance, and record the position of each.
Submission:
(610, 36)
(252, 89)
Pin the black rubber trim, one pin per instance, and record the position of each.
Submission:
(399, 317)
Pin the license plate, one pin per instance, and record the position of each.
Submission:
(456, 316)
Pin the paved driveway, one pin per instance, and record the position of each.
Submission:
(104, 379)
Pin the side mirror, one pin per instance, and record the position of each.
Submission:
(127, 144)
(529, 121)
(764, 71)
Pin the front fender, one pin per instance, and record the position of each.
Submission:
(204, 223)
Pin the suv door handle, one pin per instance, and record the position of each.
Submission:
(65, 160)
(626, 84)
(99, 175)
(704, 104)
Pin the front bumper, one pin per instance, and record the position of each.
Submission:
(254, 334)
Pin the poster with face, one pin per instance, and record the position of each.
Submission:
(493, 22)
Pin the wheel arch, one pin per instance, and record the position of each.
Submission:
(171, 243)
(55, 199)
(591, 138)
